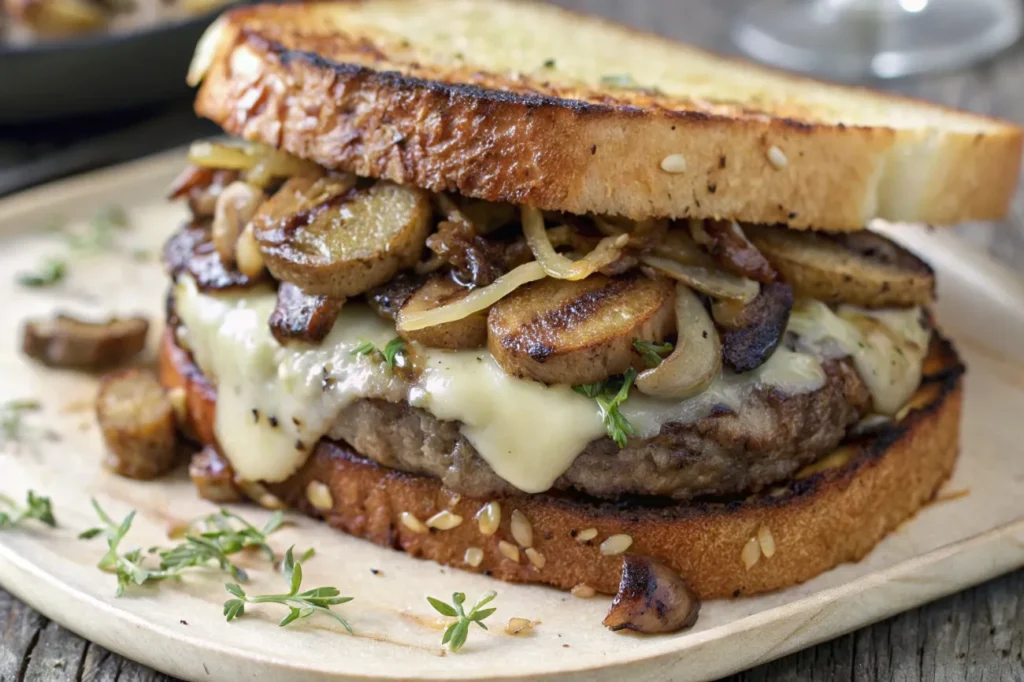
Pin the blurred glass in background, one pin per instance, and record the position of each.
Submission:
(855, 40)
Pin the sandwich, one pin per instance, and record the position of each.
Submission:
(523, 292)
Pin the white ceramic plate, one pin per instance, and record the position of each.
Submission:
(178, 627)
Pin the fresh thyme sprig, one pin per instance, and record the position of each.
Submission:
(36, 507)
(456, 633)
(100, 235)
(127, 566)
(652, 352)
(212, 538)
(50, 272)
(610, 394)
(13, 425)
(231, 533)
(11, 417)
(389, 354)
(300, 604)
(102, 231)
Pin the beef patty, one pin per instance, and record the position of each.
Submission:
(767, 441)
(725, 453)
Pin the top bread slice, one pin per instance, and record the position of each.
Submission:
(528, 103)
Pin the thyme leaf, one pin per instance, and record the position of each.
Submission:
(36, 507)
(456, 633)
(609, 395)
(300, 604)
(652, 352)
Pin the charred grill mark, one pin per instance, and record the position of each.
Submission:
(565, 316)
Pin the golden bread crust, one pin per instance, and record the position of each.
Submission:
(829, 517)
(328, 84)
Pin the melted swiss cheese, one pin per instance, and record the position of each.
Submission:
(274, 403)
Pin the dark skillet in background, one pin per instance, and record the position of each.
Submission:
(97, 73)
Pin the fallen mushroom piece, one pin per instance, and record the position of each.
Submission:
(65, 341)
(300, 317)
(578, 332)
(332, 238)
(136, 418)
(213, 477)
(751, 333)
(729, 246)
(652, 598)
(864, 268)
(440, 289)
(696, 359)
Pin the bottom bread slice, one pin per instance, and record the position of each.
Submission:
(836, 510)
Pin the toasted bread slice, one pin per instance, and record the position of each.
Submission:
(527, 103)
(835, 511)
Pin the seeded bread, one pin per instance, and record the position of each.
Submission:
(834, 512)
(528, 103)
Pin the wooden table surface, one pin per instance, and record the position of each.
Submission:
(976, 635)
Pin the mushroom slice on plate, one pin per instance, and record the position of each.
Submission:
(862, 268)
(137, 420)
(652, 598)
(332, 238)
(66, 341)
(579, 332)
(440, 289)
(751, 333)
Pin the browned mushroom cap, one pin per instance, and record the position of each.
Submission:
(65, 341)
(301, 317)
(652, 598)
(751, 333)
(861, 268)
(137, 420)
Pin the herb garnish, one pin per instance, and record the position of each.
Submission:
(102, 228)
(11, 414)
(127, 566)
(389, 354)
(651, 352)
(216, 537)
(300, 604)
(36, 507)
(610, 394)
(456, 633)
(51, 271)
(100, 236)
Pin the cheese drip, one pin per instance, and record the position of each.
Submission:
(888, 347)
(274, 403)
